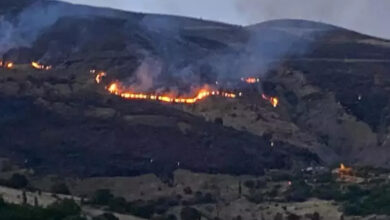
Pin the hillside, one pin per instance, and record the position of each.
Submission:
(332, 85)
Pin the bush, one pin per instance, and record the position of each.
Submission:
(329, 191)
(74, 218)
(106, 216)
(118, 205)
(187, 190)
(218, 121)
(188, 213)
(249, 184)
(363, 202)
(255, 198)
(60, 188)
(17, 181)
(280, 176)
(102, 197)
(299, 192)
(62, 210)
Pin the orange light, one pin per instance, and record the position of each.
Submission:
(113, 88)
(117, 89)
(344, 170)
(99, 77)
(273, 100)
(40, 66)
(9, 65)
(250, 80)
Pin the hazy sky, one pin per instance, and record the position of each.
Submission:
(367, 16)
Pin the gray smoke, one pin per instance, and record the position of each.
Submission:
(23, 28)
(146, 75)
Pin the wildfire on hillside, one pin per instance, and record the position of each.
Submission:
(40, 66)
(273, 100)
(117, 89)
(7, 65)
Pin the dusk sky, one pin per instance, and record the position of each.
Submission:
(366, 16)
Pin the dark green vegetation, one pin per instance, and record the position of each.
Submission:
(369, 197)
(146, 209)
(16, 181)
(64, 210)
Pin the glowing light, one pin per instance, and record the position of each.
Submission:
(40, 66)
(7, 65)
(117, 89)
(251, 80)
(99, 77)
(273, 100)
(344, 170)
(10, 65)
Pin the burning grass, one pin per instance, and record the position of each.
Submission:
(39, 66)
(117, 88)
(6, 64)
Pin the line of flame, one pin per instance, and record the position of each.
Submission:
(40, 66)
(114, 88)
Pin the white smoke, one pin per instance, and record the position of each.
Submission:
(146, 75)
(24, 28)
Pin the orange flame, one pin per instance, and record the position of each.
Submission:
(115, 88)
(40, 66)
(250, 80)
(99, 77)
(273, 100)
(8, 65)
(344, 170)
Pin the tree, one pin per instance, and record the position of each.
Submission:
(60, 188)
(64, 208)
(18, 181)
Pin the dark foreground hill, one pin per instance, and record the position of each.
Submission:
(56, 123)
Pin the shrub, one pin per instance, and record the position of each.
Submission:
(299, 192)
(106, 216)
(188, 213)
(330, 191)
(60, 188)
(102, 197)
(187, 190)
(17, 181)
(118, 205)
(249, 184)
(66, 207)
